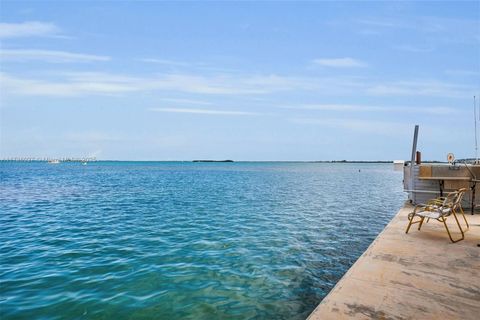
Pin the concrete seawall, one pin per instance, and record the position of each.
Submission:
(419, 275)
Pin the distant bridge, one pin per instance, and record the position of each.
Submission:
(48, 159)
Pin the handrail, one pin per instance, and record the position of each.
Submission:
(471, 172)
(421, 191)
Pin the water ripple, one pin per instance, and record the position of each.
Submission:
(184, 240)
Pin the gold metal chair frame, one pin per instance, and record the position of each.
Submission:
(452, 201)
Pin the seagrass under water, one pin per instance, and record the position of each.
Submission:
(177, 240)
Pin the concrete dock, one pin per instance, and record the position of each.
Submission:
(419, 275)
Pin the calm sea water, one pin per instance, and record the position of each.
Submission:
(172, 240)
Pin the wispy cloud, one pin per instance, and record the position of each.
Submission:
(80, 83)
(421, 88)
(98, 83)
(413, 48)
(93, 137)
(186, 101)
(340, 63)
(439, 30)
(364, 108)
(48, 56)
(463, 73)
(197, 65)
(358, 125)
(382, 23)
(68, 87)
(165, 62)
(28, 29)
(205, 111)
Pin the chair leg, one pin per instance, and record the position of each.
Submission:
(464, 218)
(421, 223)
(458, 224)
(448, 231)
(410, 223)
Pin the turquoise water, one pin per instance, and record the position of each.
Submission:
(173, 240)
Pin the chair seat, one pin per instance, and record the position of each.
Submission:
(434, 214)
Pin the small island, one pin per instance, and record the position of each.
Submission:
(212, 161)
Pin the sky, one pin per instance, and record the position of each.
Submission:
(149, 80)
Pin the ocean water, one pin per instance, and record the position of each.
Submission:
(180, 240)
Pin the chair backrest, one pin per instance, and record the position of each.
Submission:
(448, 204)
(458, 199)
(450, 199)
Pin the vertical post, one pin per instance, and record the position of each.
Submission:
(412, 161)
(475, 120)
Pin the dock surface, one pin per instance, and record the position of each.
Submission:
(419, 275)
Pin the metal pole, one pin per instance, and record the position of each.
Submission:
(414, 146)
(475, 121)
(412, 161)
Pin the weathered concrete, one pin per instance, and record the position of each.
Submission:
(419, 275)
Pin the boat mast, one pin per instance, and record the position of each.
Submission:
(475, 121)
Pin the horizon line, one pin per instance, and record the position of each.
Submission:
(36, 159)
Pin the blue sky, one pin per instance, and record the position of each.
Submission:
(243, 80)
